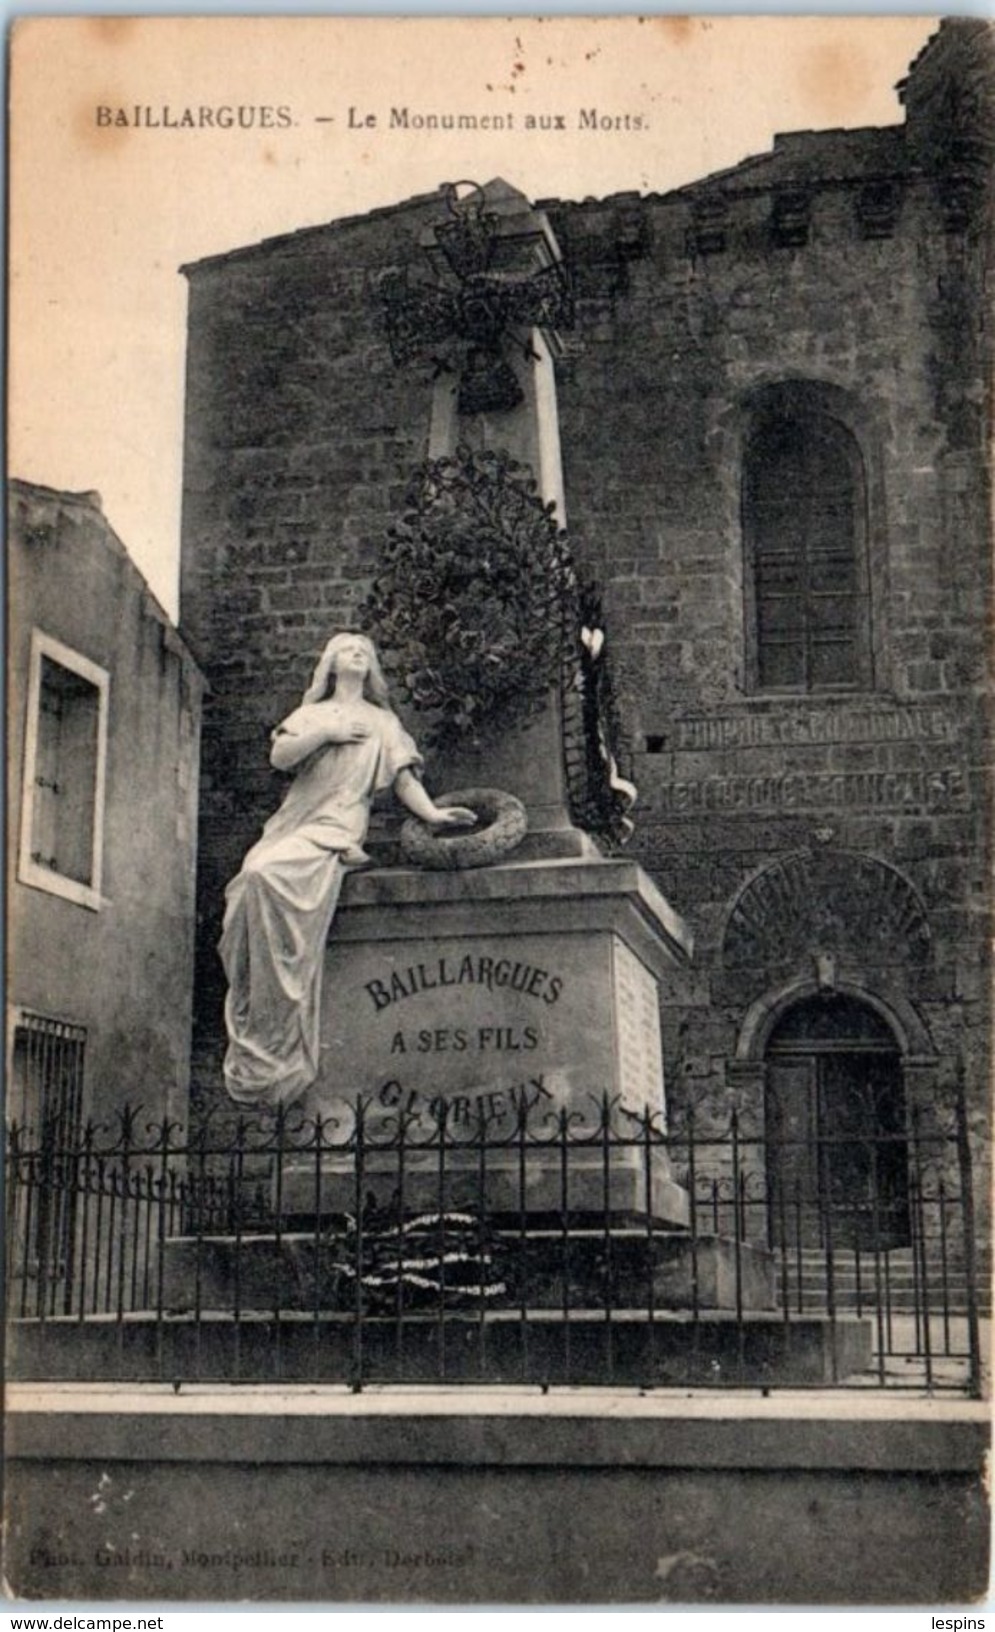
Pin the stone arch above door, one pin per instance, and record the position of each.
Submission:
(761, 1018)
(830, 902)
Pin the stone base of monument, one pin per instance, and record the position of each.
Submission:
(630, 1349)
(540, 1270)
(503, 1188)
(512, 1006)
(622, 1306)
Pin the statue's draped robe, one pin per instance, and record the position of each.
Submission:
(280, 907)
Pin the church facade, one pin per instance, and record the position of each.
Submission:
(774, 417)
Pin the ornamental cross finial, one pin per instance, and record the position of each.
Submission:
(498, 275)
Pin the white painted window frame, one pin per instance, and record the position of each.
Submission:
(28, 871)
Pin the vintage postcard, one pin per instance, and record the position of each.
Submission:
(498, 1029)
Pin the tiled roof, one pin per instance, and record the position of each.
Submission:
(797, 159)
(813, 157)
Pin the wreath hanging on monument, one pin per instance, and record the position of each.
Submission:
(595, 743)
(479, 613)
(475, 603)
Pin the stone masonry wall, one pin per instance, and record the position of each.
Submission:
(890, 334)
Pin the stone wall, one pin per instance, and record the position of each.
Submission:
(321, 1498)
(674, 348)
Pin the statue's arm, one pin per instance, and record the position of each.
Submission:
(290, 747)
(411, 793)
(302, 734)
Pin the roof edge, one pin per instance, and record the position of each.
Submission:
(90, 501)
(338, 224)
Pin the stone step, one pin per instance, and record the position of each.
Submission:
(898, 1306)
(816, 1293)
(905, 1283)
(894, 1255)
(587, 1349)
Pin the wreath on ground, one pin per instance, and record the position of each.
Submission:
(438, 1260)
(475, 601)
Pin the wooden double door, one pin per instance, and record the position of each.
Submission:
(837, 1155)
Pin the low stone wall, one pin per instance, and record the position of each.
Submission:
(316, 1495)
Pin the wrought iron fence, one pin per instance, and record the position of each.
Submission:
(598, 1249)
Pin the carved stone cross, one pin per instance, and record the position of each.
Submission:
(497, 275)
(488, 323)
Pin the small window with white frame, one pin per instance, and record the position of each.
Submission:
(65, 754)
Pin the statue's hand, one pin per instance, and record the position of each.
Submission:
(348, 733)
(454, 816)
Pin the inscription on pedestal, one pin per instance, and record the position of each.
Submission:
(486, 1027)
(506, 1021)
(637, 1031)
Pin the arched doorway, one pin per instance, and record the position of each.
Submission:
(834, 1102)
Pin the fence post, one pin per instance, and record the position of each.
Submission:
(609, 1259)
(235, 1224)
(482, 1252)
(647, 1117)
(166, 1178)
(970, 1244)
(737, 1241)
(442, 1202)
(71, 1187)
(317, 1246)
(919, 1235)
(524, 1251)
(826, 1208)
(563, 1123)
(359, 1136)
(879, 1310)
(128, 1115)
(18, 1201)
(694, 1361)
(402, 1204)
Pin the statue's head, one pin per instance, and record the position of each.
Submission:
(340, 647)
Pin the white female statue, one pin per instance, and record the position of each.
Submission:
(344, 747)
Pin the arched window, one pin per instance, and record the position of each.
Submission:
(805, 529)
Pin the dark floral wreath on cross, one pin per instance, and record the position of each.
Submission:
(479, 614)
(475, 604)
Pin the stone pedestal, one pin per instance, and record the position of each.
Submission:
(483, 997)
